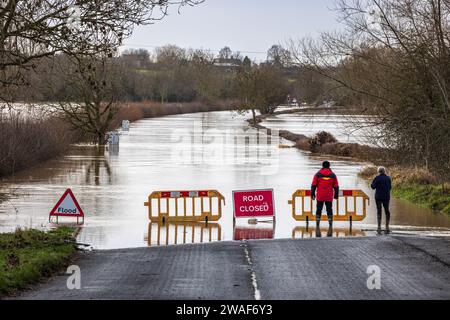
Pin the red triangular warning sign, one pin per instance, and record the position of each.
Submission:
(67, 206)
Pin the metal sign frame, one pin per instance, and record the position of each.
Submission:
(54, 213)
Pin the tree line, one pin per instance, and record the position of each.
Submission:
(391, 60)
(167, 74)
(89, 90)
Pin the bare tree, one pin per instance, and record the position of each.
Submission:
(168, 59)
(393, 57)
(92, 100)
(225, 53)
(32, 29)
(261, 88)
(278, 56)
(204, 76)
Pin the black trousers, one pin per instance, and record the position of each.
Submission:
(328, 205)
(380, 205)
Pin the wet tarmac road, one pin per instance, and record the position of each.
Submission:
(411, 268)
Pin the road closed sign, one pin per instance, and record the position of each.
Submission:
(67, 206)
(253, 203)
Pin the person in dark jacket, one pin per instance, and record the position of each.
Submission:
(383, 185)
(326, 184)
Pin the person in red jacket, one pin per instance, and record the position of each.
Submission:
(326, 184)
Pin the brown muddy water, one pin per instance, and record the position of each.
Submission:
(346, 128)
(214, 150)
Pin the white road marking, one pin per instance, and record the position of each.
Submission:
(257, 293)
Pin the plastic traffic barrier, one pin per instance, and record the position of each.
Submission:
(185, 206)
(351, 206)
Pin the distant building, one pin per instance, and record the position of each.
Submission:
(136, 59)
(227, 63)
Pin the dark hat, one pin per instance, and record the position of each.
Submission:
(326, 165)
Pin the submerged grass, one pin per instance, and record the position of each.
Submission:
(134, 111)
(324, 143)
(27, 256)
(26, 141)
(435, 197)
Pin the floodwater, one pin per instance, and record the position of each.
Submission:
(203, 151)
(346, 128)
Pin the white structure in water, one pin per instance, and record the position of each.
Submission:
(125, 125)
(113, 138)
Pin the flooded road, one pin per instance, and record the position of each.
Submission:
(200, 151)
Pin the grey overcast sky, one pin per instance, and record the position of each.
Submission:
(249, 26)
